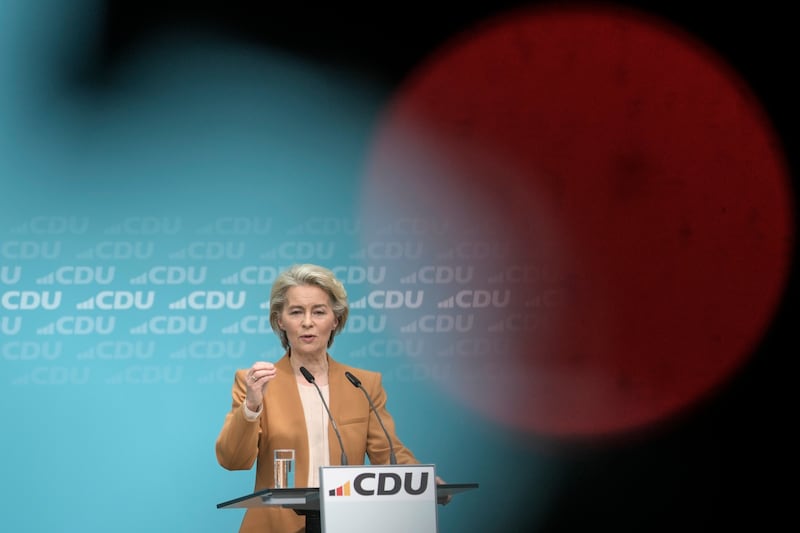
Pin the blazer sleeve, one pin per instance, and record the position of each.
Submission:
(237, 443)
(377, 446)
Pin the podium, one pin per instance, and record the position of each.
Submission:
(367, 490)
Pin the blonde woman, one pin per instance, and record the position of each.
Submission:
(274, 406)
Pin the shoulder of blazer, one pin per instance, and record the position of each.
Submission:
(284, 364)
(369, 378)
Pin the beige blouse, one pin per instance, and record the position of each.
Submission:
(317, 427)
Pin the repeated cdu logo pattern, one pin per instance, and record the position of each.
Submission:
(165, 300)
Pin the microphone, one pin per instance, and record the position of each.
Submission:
(310, 378)
(357, 384)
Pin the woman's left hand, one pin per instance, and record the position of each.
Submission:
(443, 500)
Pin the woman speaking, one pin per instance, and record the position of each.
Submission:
(275, 406)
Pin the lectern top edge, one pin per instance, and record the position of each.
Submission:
(310, 494)
(307, 493)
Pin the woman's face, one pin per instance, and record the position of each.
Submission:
(308, 319)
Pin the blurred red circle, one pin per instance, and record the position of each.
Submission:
(634, 193)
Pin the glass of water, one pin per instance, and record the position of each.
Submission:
(284, 469)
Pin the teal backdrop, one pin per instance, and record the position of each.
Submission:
(200, 170)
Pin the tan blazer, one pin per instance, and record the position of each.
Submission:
(282, 425)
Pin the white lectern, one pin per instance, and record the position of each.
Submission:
(389, 499)
(354, 499)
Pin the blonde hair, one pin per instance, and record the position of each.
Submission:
(311, 275)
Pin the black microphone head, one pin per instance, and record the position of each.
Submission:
(354, 380)
(306, 374)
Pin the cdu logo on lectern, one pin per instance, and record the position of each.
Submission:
(384, 484)
(400, 498)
